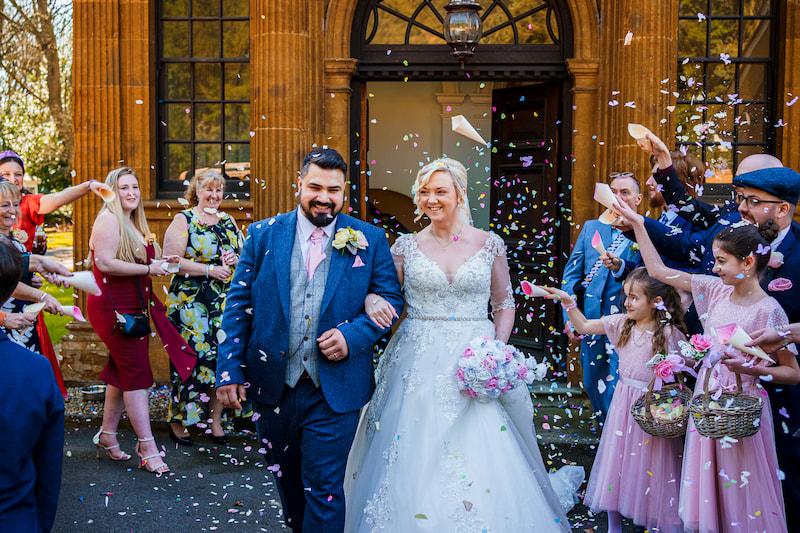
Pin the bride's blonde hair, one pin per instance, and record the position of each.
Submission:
(130, 245)
(457, 173)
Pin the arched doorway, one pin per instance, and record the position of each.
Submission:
(516, 91)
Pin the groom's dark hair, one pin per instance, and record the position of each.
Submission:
(326, 158)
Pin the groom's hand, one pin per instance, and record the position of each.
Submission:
(333, 345)
(232, 396)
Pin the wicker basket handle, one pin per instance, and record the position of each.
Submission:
(706, 378)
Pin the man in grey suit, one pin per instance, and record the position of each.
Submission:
(298, 342)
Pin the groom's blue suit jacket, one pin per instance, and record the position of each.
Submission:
(256, 319)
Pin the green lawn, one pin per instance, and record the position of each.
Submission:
(59, 239)
(57, 325)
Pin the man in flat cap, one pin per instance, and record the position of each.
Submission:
(763, 190)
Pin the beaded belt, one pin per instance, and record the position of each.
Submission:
(445, 318)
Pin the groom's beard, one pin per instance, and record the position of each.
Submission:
(323, 219)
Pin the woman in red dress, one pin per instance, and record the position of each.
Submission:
(124, 257)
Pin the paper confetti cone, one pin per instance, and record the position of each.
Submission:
(462, 126)
(34, 308)
(597, 243)
(736, 337)
(532, 291)
(105, 193)
(74, 311)
(637, 131)
(83, 281)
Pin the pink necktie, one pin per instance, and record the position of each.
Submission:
(315, 252)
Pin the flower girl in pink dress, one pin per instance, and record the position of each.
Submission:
(730, 485)
(635, 474)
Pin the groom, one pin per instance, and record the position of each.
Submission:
(298, 342)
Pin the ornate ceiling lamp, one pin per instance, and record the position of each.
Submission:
(463, 28)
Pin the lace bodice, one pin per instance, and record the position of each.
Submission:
(482, 279)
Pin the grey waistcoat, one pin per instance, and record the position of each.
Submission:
(304, 303)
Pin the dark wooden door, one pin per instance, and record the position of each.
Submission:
(525, 206)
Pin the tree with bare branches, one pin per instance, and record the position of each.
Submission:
(35, 85)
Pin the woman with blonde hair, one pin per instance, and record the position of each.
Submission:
(208, 242)
(124, 256)
(419, 433)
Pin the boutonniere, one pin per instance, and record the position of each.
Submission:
(351, 239)
(635, 247)
(775, 260)
(20, 235)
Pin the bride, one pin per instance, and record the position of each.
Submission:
(426, 457)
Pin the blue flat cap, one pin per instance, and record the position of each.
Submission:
(782, 182)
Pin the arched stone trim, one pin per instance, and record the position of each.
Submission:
(584, 68)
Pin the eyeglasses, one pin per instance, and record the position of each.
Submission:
(753, 201)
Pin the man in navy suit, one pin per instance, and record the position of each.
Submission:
(298, 342)
(602, 292)
(763, 190)
(32, 411)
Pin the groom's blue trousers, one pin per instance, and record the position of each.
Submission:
(307, 444)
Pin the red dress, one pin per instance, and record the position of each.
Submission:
(128, 366)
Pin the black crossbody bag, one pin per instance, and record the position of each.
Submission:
(136, 324)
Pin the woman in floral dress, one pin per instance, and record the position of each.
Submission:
(208, 241)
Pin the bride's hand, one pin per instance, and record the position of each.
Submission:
(379, 311)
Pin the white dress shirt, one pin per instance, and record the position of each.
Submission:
(779, 239)
(305, 228)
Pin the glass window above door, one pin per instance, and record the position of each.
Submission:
(419, 22)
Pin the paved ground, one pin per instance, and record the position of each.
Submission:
(213, 488)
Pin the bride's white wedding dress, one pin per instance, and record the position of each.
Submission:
(426, 457)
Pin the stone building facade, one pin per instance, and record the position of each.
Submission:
(169, 86)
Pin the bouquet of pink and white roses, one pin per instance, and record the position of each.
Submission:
(488, 368)
(696, 348)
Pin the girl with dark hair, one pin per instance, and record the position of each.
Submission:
(731, 484)
(635, 474)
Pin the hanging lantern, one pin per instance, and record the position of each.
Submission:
(463, 28)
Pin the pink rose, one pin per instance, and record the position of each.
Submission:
(779, 284)
(506, 389)
(491, 384)
(522, 372)
(664, 370)
(460, 374)
(509, 357)
(468, 352)
(701, 343)
(489, 363)
(471, 393)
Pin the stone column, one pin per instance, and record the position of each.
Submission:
(585, 118)
(636, 72)
(97, 121)
(789, 87)
(280, 100)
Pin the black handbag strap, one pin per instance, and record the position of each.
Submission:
(145, 308)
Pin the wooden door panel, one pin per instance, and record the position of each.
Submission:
(524, 202)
